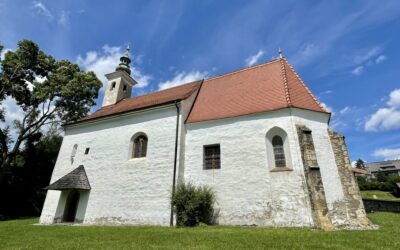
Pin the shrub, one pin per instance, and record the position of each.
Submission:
(193, 205)
(388, 185)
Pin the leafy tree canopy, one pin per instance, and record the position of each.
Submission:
(360, 164)
(47, 91)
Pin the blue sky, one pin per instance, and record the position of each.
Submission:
(347, 52)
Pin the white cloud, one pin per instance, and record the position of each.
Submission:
(181, 78)
(394, 98)
(3, 53)
(367, 55)
(305, 54)
(358, 70)
(105, 61)
(12, 112)
(41, 9)
(251, 60)
(380, 59)
(330, 109)
(383, 119)
(344, 110)
(387, 153)
(367, 59)
(63, 19)
(387, 118)
(336, 124)
(326, 92)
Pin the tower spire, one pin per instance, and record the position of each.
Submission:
(125, 61)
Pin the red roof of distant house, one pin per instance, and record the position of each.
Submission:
(360, 171)
(266, 87)
(145, 101)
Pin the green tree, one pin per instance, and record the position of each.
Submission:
(47, 91)
(360, 164)
(22, 191)
(381, 177)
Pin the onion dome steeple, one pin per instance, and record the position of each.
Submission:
(120, 82)
(124, 62)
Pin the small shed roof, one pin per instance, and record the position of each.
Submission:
(76, 179)
(360, 171)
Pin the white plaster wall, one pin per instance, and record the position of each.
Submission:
(138, 191)
(325, 156)
(128, 191)
(50, 207)
(247, 192)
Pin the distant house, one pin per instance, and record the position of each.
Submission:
(385, 167)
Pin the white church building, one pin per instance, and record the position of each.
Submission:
(257, 136)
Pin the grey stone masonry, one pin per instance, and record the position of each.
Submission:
(313, 179)
(349, 212)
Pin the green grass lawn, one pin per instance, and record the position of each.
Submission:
(22, 234)
(377, 194)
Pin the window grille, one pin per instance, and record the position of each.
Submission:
(139, 146)
(279, 153)
(212, 157)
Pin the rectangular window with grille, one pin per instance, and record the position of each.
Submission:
(212, 156)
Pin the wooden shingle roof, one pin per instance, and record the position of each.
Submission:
(76, 179)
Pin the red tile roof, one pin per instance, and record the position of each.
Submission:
(145, 101)
(266, 87)
(360, 171)
(269, 86)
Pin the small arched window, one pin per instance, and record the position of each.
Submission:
(139, 148)
(113, 85)
(279, 152)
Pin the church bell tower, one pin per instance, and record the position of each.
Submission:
(120, 82)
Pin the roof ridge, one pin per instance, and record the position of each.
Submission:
(241, 70)
(206, 79)
(305, 86)
(285, 83)
(382, 161)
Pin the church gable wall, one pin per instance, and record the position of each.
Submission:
(247, 191)
(123, 190)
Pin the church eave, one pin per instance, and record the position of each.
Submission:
(114, 115)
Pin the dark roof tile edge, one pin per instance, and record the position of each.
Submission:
(305, 86)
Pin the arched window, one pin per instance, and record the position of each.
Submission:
(113, 85)
(279, 152)
(139, 146)
(73, 153)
